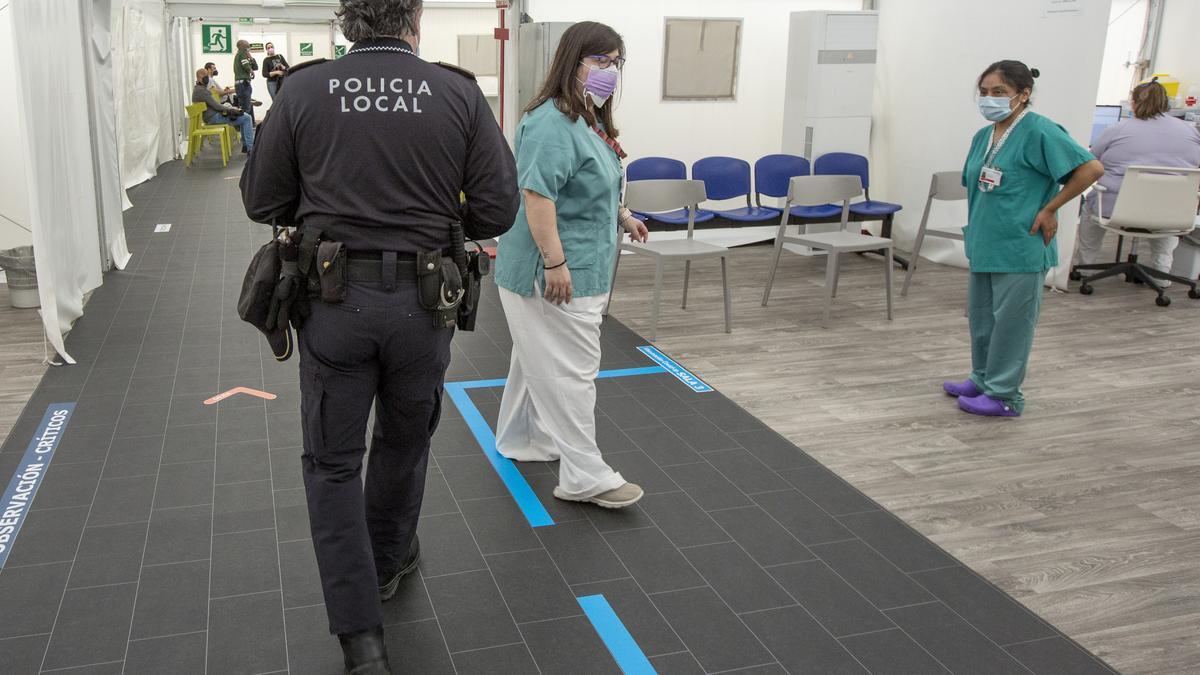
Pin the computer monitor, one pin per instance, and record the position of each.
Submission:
(1104, 117)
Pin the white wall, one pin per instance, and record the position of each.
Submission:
(748, 127)
(1126, 21)
(1177, 53)
(14, 191)
(925, 110)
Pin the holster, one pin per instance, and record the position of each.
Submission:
(332, 270)
(478, 266)
(440, 287)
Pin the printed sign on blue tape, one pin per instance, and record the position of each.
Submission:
(694, 383)
(18, 498)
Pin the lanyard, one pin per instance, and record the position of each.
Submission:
(610, 142)
(1000, 144)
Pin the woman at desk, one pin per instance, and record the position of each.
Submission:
(1012, 174)
(1150, 138)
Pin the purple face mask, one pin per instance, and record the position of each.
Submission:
(600, 83)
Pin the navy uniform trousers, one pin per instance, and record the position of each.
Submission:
(378, 346)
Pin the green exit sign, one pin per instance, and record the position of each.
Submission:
(339, 51)
(245, 19)
(306, 49)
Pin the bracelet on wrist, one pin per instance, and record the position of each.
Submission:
(554, 267)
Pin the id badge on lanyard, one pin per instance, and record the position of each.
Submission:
(989, 175)
(989, 178)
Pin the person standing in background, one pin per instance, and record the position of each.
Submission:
(276, 67)
(1020, 170)
(244, 66)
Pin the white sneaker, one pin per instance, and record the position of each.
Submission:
(626, 495)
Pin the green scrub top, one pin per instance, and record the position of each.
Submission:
(1036, 159)
(568, 163)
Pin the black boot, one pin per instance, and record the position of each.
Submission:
(364, 652)
(388, 583)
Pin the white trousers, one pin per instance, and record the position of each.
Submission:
(548, 410)
(1091, 239)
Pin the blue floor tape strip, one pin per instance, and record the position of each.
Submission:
(616, 637)
(517, 486)
(18, 498)
(682, 374)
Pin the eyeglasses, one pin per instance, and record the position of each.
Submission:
(604, 60)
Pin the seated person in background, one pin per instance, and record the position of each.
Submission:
(216, 113)
(1149, 138)
(222, 94)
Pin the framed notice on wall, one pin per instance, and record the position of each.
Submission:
(700, 59)
(216, 38)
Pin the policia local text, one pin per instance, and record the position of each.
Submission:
(395, 94)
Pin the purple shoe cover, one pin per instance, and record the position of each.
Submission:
(987, 406)
(965, 388)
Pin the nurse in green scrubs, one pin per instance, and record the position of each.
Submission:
(555, 266)
(1020, 170)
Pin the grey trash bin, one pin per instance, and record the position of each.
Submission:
(18, 267)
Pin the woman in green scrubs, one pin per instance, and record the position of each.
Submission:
(555, 266)
(1013, 175)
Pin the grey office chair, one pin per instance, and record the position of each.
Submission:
(946, 186)
(1154, 202)
(656, 196)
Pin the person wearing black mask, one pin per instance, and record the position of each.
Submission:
(222, 94)
(276, 67)
(217, 113)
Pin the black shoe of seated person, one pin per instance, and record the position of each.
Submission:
(364, 652)
(388, 583)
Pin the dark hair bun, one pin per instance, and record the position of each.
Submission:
(1035, 72)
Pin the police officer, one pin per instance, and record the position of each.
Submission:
(373, 150)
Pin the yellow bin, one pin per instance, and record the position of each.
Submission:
(1169, 83)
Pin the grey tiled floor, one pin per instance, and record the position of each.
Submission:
(172, 537)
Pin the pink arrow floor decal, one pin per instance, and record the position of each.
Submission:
(240, 390)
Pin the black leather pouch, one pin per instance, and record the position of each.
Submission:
(332, 270)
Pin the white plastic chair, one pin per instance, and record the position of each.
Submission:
(946, 186)
(811, 190)
(1155, 202)
(657, 196)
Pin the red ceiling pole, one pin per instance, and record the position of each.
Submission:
(501, 34)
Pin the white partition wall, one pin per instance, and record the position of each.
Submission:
(14, 197)
(58, 151)
(931, 53)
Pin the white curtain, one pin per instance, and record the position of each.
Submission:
(52, 93)
(145, 127)
(104, 121)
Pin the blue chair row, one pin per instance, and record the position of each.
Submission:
(729, 178)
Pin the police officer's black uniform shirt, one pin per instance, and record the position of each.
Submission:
(374, 148)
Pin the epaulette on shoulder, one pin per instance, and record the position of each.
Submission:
(461, 71)
(306, 64)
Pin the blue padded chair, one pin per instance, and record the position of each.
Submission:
(773, 174)
(663, 168)
(729, 178)
(849, 164)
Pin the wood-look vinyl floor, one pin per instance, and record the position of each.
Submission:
(21, 364)
(1086, 509)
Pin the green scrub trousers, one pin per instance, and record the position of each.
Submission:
(1003, 311)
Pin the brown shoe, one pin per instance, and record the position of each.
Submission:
(626, 495)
